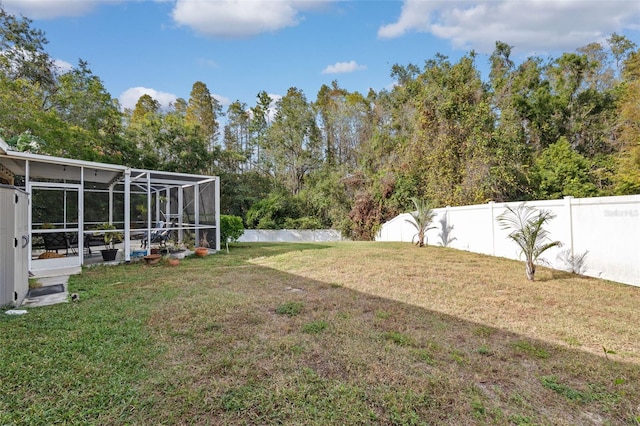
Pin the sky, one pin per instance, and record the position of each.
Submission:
(239, 48)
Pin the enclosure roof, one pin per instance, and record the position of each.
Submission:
(49, 167)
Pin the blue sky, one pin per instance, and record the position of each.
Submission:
(241, 47)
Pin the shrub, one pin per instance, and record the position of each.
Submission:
(421, 219)
(271, 212)
(231, 228)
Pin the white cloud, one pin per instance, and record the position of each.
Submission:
(528, 25)
(50, 9)
(229, 18)
(343, 67)
(207, 63)
(271, 112)
(62, 66)
(223, 100)
(240, 18)
(129, 97)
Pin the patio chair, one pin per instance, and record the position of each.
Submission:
(55, 241)
(159, 236)
(90, 240)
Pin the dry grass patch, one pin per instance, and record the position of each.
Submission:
(558, 307)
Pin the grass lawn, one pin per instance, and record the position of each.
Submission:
(319, 334)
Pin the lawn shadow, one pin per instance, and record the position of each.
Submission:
(365, 356)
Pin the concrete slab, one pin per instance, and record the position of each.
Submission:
(49, 299)
(57, 272)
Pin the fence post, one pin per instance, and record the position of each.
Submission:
(493, 231)
(568, 200)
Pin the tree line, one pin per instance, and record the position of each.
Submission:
(540, 129)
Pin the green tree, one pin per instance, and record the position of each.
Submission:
(534, 104)
(144, 126)
(627, 178)
(23, 53)
(451, 153)
(237, 138)
(561, 171)
(82, 100)
(258, 126)
(183, 147)
(340, 118)
(231, 228)
(202, 110)
(293, 143)
(527, 231)
(240, 191)
(27, 79)
(274, 211)
(145, 106)
(511, 155)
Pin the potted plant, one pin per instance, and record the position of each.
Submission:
(203, 249)
(110, 238)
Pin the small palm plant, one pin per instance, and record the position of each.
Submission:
(527, 230)
(421, 219)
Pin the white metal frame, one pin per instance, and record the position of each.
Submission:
(56, 172)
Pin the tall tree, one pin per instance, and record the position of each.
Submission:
(450, 155)
(23, 54)
(202, 111)
(144, 106)
(293, 141)
(512, 154)
(26, 79)
(236, 135)
(258, 125)
(82, 100)
(341, 116)
(627, 179)
(144, 125)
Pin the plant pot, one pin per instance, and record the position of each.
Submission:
(202, 251)
(172, 261)
(152, 259)
(155, 251)
(109, 255)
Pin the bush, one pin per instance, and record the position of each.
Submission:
(303, 223)
(281, 211)
(231, 228)
(271, 212)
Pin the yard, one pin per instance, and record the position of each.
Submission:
(317, 334)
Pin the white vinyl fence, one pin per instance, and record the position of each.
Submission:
(608, 228)
(289, 235)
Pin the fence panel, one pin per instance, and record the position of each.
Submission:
(289, 235)
(607, 227)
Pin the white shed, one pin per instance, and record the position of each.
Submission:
(14, 245)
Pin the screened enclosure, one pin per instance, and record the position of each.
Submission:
(79, 209)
